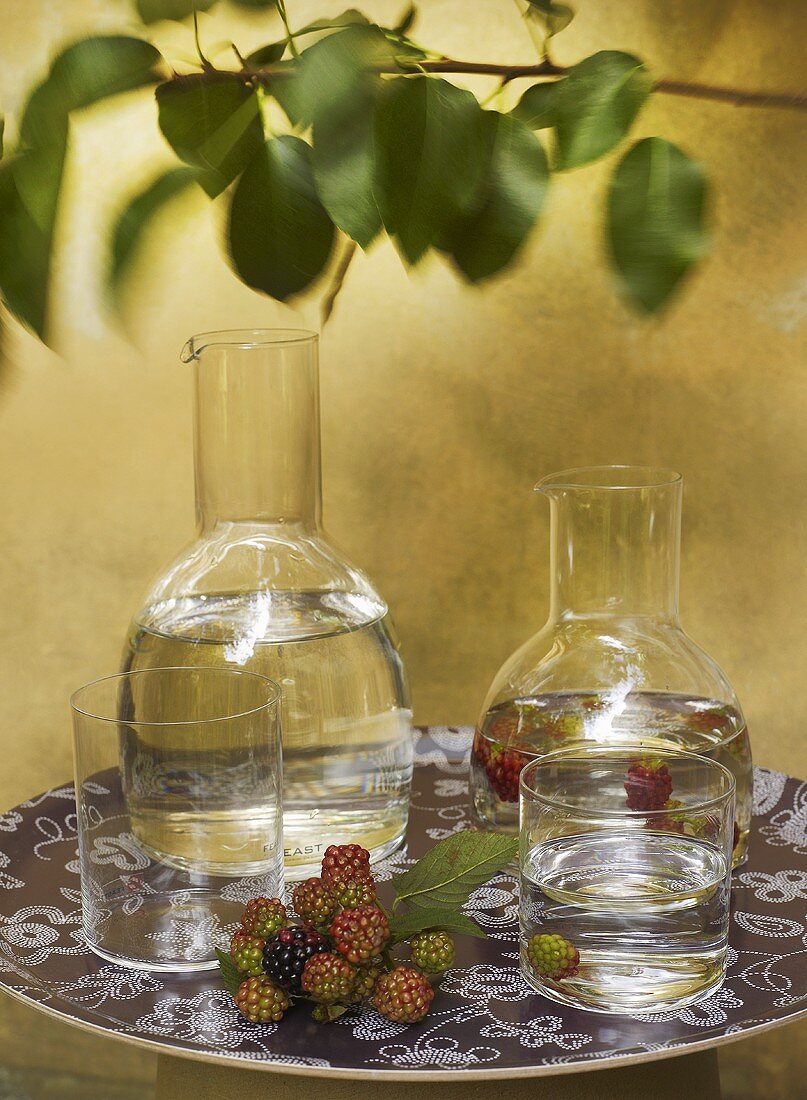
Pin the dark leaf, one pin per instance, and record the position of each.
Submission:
(231, 976)
(255, 3)
(348, 18)
(406, 22)
(403, 926)
(656, 228)
(212, 122)
(338, 88)
(596, 104)
(331, 72)
(515, 187)
(86, 72)
(431, 149)
(536, 108)
(327, 1013)
(2, 133)
(553, 17)
(450, 871)
(29, 192)
(280, 234)
(266, 55)
(344, 166)
(137, 216)
(152, 11)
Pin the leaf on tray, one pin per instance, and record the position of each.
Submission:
(231, 976)
(448, 874)
(404, 925)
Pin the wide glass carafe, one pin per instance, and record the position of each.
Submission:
(262, 588)
(612, 665)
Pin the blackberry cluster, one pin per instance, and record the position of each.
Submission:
(337, 956)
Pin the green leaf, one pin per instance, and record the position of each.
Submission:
(337, 89)
(266, 55)
(331, 72)
(655, 226)
(29, 191)
(596, 104)
(405, 925)
(213, 123)
(230, 974)
(536, 108)
(86, 72)
(279, 233)
(515, 188)
(431, 149)
(152, 11)
(553, 17)
(137, 216)
(450, 872)
(348, 18)
(256, 3)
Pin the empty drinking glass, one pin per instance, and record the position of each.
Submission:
(186, 760)
(625, 873)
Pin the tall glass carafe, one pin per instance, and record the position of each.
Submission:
(261, 588)
(612, 665)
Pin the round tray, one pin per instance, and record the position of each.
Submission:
(485, 1021)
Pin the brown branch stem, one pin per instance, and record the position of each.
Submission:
(739, 97)
(332, 293)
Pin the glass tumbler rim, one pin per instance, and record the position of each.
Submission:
(628, 750)
(594, 478)
(244, 339)
(274, 695)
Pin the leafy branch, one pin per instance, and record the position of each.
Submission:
(375, 140)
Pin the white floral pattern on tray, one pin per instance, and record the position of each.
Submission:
(484, 1019)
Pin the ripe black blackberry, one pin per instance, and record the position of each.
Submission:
(286, 954)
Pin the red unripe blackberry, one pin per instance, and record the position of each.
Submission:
(260, 1001)
(552, 956)
(247, 953)
(264, 916)
(328, 978)
(314, 902)
(345, 861)
(360, 933)
(403, 995)
(286, 954)
(504, 770)
(648, 786)
(433, 952)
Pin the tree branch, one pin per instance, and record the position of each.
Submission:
(738, 96)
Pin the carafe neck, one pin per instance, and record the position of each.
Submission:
(257, 433)
(615, 542)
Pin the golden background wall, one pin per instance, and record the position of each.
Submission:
(442, 405)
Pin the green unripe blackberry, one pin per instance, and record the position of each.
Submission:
(264, 916)
(552, 956)
(246, 951)
(432, 951)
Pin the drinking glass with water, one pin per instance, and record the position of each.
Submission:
(625, 867)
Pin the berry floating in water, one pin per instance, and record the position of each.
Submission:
(648, 786)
